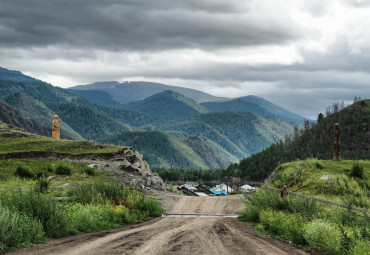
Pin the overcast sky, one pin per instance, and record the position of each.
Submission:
(300, 54)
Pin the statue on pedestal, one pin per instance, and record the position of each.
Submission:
(56, 129)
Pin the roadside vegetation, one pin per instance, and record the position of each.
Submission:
(305, 222)
(36, 205)
(345, 181)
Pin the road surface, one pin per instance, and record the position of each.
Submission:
(183, 235)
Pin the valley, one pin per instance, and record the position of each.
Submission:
(186, 130)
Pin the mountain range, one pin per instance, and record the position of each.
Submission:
(131, 91)
(190, 129)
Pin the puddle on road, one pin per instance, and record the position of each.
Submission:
(192, 215)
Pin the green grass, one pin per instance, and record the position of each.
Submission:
(9, 145)
(29, 215)
(16, 140)
(10, 181)
(326, 229)
(340, 187)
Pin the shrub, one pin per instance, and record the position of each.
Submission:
(286, 226)
(339, 185)
(323, 236)
(42, 185)
(97, 192)
(307, 208)
(17, 229)
(349, 236)
(361, 248)
(344, 217)
(357, 170)
(88, 218)
(90, 171)
(120, 214)
(44, 209)
(63, 170)
(25, 172)
(41, 174)
(152, 207)
(50, 168)
(318, 165)
(251, 213)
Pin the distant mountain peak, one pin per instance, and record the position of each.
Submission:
(253, 104)
(132, 91)
(168, 104)
(13, 75)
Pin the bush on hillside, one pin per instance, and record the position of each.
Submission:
(37, 206)
(357, 170)
(286, 226)
(90, 171)
(323, 236)
(17, 229)
(63, 170)
(42, 185)
(23, 171)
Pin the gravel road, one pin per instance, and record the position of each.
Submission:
(184, 235)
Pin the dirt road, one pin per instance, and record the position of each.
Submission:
(176, 235)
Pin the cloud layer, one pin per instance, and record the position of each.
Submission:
(302, 55)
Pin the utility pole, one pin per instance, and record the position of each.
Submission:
(227, 187)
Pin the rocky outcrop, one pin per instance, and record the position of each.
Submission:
(125, 166)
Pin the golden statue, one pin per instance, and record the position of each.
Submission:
(56, 129)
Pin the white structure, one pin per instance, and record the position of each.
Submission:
(247, 188)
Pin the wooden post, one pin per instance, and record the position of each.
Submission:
(336, 142)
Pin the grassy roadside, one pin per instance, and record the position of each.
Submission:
(80, 173)
(29, 217)
(321, 228)
(29, 210)
(338, 186)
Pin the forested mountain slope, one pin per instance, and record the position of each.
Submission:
(168, 104)
(79, 113)
(99, 97)
(316, 141)
(253, 104)
(162, 150)
(15, 118)
(240, 133)
(14, 75)
(40, 112)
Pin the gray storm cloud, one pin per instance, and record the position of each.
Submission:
(138, 25)
(302, 55)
